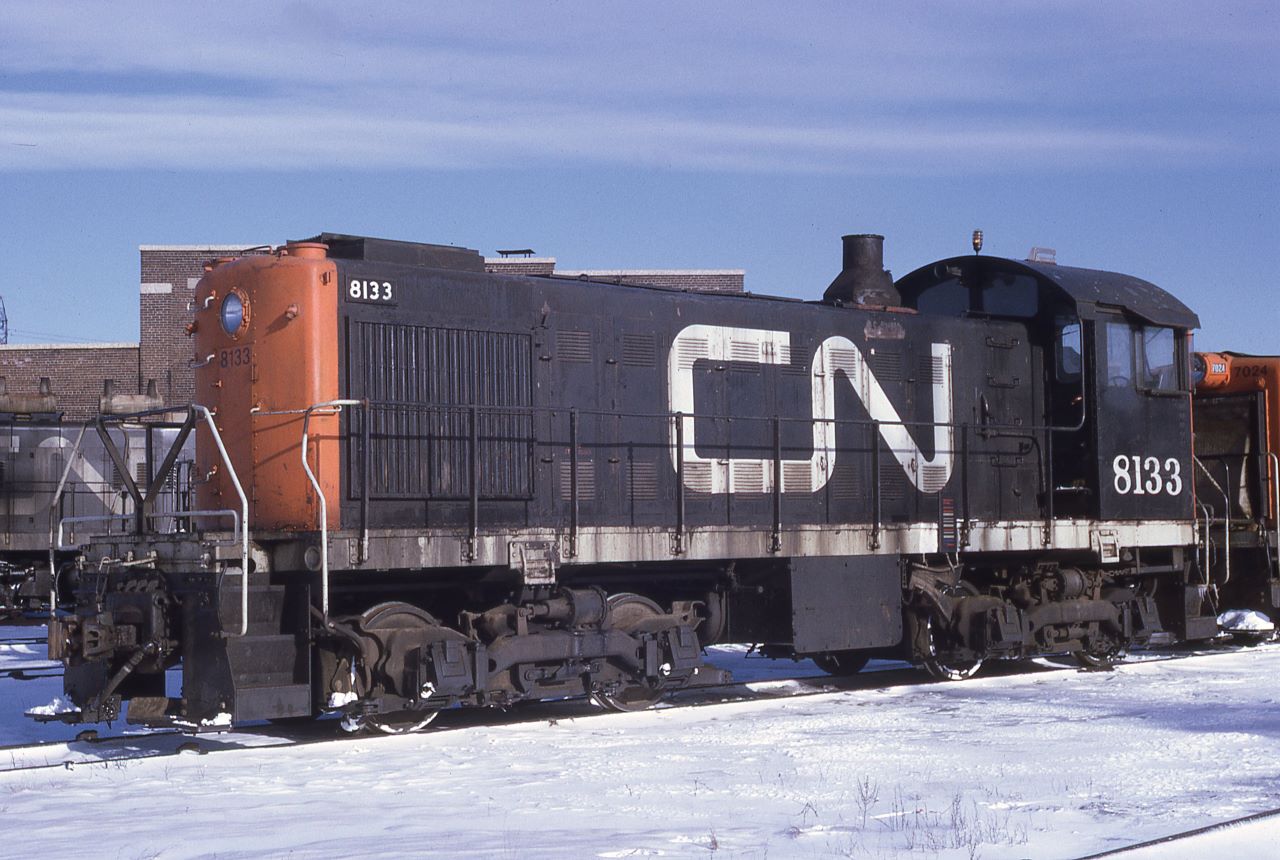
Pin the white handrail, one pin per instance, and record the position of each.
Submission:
(240, 523)
(335, 405)
(53, 512)
(244, 519)
(1226, 519)
(1275, 490)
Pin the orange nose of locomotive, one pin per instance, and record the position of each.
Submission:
(266, 338)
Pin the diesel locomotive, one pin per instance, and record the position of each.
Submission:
(53, 472)
(420, 485)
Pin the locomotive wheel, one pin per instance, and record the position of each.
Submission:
(841, 662)
(391, 629)
(940, 666)
(627, 612)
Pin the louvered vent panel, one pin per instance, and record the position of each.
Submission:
(644, 482)
(586, 480)
(887, 366)
(846, 486)
(843, 359)
(797, 477)
(697, 477)
(893, 482)
(748, 477)
(933, 476)
(932, 370)
(690, 350)
(639, 350)
(744, 350)
(573, 346)
(795, 362)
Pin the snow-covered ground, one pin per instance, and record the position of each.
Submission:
(1048, 763)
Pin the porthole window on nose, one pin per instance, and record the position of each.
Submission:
(232, 314)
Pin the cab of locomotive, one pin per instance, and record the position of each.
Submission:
(1113, 378)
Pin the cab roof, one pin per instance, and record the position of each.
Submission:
(1084, 289)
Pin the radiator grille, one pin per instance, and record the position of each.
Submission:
(422, 382)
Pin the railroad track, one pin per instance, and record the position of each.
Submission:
(90, 749)
(24, 640)
(33, 668)
(1184, 835)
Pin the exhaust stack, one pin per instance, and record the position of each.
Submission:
(864, 280)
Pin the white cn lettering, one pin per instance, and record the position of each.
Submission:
(835, 355)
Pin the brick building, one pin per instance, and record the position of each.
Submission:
(169, 277)
(77, 373)
(703, 280)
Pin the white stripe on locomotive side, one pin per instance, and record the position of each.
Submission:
(1101, 539)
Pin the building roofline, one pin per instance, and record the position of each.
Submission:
(613, 273)
(11, 347)
(243, 247)
(519, 260)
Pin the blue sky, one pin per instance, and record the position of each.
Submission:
(1135, 137)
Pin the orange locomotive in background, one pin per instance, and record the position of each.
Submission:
(1250, 376)
(1237, 440)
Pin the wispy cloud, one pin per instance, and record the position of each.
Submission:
(822, 88)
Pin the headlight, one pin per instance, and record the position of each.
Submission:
(232, 314)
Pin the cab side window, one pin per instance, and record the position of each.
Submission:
(1159, 360)
(1068, 350)
(1119, 355)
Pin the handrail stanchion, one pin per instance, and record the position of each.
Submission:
(473, 481)
(964, 482)
(54, 504)
(775, 537)
(244, 519)
(1275, 501)
(679, 540)
(366, 464)
(1226, 520)
(875, 484)
(573, 483)
(323, 503)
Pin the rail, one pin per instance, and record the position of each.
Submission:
(462, 435)
(236, 524)
(1226, 518)
(336, 407)
(144, 504)
(54, 504)
(1207, 516)
(1274, 460)
(244, 518)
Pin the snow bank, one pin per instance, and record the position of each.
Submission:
(1245, 621)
